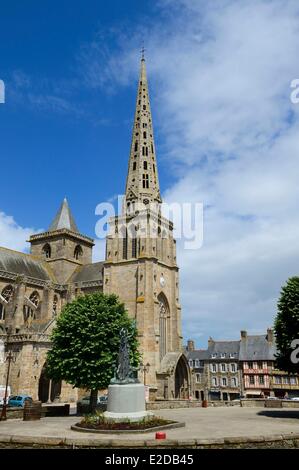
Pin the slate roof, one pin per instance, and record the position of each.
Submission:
(200, 354)
(224, 347)
(257, 348)
(24, 264)
(64, 219)
(89, 272)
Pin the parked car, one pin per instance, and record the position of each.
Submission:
(83, 403)
(19, 400)
(273, 398)
(295, 398)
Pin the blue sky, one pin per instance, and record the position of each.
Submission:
(226, 134)
(59, 135)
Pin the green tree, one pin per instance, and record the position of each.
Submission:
(86, 342)
(286, 326)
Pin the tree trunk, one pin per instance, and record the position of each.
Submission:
(93, 400)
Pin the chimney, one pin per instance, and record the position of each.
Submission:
(210, 341)
(243, 334)
(270, 335)
(190, 345)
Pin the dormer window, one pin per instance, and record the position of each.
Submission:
(47, 251)
(78, 252)
(214, 355)
(222, 355)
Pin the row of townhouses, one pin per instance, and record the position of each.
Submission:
(228, 370)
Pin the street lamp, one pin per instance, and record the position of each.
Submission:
(145, 370)
(9, 358)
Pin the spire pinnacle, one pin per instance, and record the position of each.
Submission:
(142, 180)
(64, 219)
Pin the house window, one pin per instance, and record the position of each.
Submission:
(224, 382)
(223, 367)
(232, 355)
(152, 148)
(277, 379)
(261, 380)
(136, 147)
(196, 363)
(285, 380)
(293, 380)
(190, 363)
(198, 378)
(78, 252)
(214, 355)
(134, 166)
(47, 251)
(214, 381)
(260, 365)
(233, 367)
(222, 355)
(144, 134)
(214, 367)
(233, 382)
(145, 165)
(251, 379)
(250, 365)
(144, 107)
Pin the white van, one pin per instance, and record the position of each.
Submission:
(2, 394)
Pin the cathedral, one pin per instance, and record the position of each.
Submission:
(140, 266)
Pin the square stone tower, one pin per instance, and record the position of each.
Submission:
(62, 246)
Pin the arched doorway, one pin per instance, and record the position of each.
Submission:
(182, 379)
(48, 390)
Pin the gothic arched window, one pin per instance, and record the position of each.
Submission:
(5, 298)
(125, 243)
(163, 327)
(2, 312)
(78, 252)
(30, 309)
(47, 251)
(55, 306)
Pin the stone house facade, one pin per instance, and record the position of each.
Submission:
(228, 370)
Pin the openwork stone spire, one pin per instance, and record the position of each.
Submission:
(64, 219)
(142, 181)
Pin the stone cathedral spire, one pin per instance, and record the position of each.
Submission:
(142, 188)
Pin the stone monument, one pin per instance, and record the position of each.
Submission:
(126, 395)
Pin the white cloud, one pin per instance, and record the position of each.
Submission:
(12, 235)
(220, 73)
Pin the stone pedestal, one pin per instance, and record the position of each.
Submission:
(126, 402)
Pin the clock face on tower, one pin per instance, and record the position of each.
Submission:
(162, 281)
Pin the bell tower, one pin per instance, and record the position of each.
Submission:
(62, 246)
(140, 263)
